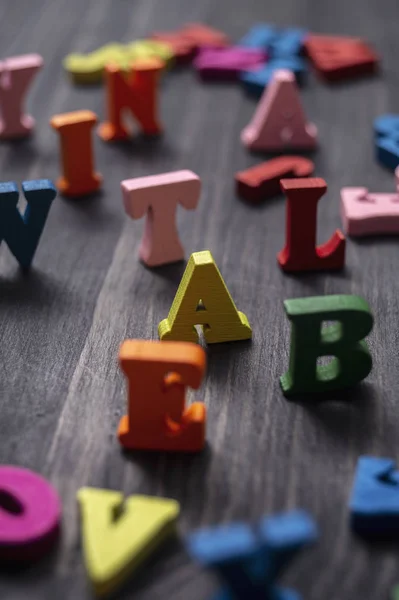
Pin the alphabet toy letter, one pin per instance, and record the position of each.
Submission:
(344, 340)
(300, 252)
(120, 534)
(136, 91)
(279, 122)
(227, 63)
(78, 177)
(337, 58)
(30, 514)
(157, 197)
(22, 232)
(16, 75)
(369, 214)
(89, 68)
(263, 180)
(158, 374)
(203, 299)
(250, 559)
(374, 504)
(386, 133)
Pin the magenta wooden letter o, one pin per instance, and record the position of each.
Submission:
(30, 514)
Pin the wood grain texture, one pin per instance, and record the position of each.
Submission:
(61, 391)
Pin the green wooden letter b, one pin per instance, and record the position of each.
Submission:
(311, 339)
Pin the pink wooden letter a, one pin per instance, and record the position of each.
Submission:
(279, 122)
(157, 197)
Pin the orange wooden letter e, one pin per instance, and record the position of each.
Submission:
(158, 374)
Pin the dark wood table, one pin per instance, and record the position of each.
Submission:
(62, 392)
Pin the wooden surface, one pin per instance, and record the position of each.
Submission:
(62, 393)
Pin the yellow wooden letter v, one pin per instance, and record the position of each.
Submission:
(119, 534)
(203, 299)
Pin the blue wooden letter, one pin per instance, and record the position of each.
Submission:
(374, 505)
(250, 559)
(22, 232)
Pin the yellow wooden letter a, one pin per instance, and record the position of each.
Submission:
(119, 535)
(203, 299)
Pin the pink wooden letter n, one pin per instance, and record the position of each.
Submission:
(16, 75)
(157, 196)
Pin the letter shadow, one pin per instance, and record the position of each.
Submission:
(172, 272)
(31, 288)
(179, 475)
(381, 238)
(343, 413)
(312, 279)
(93, 211)
(34, 569)
(144, 146)
(268, 155)
(21, 151)
(222, 358)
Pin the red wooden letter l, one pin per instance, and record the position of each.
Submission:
(300, 252)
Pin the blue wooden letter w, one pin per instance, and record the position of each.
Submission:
(22, 232)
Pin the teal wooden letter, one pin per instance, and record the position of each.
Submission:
(311, 339)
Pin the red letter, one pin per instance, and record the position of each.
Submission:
(300, 252)
(137, 91)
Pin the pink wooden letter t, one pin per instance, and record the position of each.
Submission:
(30, 513)
(16, 75)
(157, 197)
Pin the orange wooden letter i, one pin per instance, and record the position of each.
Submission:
(158, 374)
(78, 177)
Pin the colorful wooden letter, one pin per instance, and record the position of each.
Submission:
(78, 178)
(279, 121)
(157, 197)
(22, 232)
(344, 340)
(263, 181)
(137, 92)
(374, 504)
(203, 299)
(337, 58)
(260, 37)
(158, 374)
(89, 68)
(288, 42)
(227, 63)
(183, 50)
(395, 593)
(186, 41)
(279, 43)
(119, 533)
(30, 514)
(386, 132)
(300, 252)
(369, 214)
(250, 559)
(16, 75)
(203, 35)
